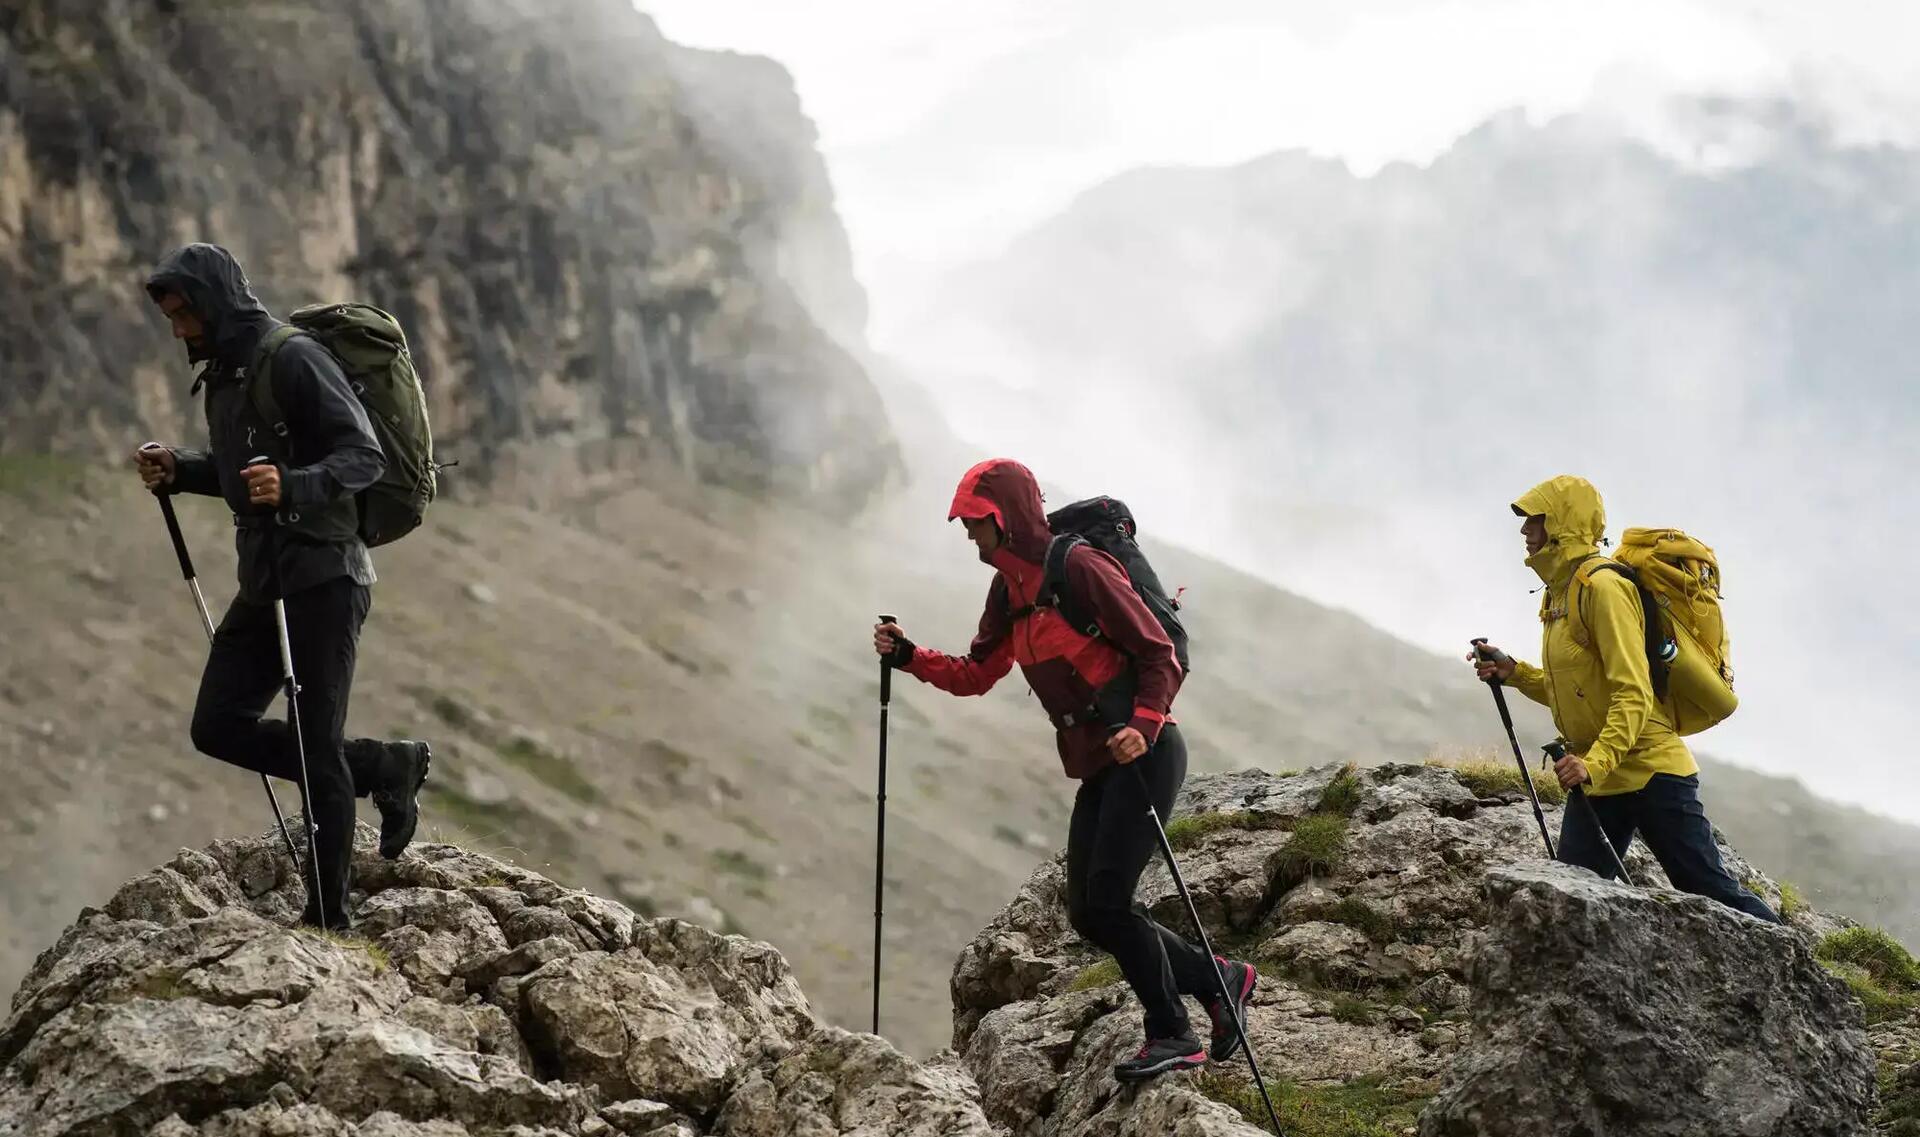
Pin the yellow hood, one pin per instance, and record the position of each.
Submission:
(1576, 523)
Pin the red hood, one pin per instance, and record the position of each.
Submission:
(1006, 491)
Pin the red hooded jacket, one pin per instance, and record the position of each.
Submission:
(1065, 668)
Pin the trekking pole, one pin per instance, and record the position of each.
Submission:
(206, 622)
(880, 828)
(1485, 653)
(292, 689)
(1557, 750)
(1213, 961)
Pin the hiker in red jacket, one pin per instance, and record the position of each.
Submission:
(1108, 696)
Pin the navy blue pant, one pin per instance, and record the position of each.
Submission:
(1667, 816)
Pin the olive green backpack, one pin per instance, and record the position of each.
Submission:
(372, 350)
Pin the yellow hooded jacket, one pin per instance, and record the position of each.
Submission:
(1601, 693)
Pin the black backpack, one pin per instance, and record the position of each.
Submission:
(1106, 524)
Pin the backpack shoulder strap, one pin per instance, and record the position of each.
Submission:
(1053, 583)
(260, 378)
(1577, 591)
(1053, 591)
(1658, 668)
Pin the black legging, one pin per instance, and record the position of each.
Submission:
(1109, 843)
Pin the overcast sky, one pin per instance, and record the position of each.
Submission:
(949, 127)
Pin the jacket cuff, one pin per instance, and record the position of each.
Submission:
(302, 487)
(1148, 722)
(192, 473)
(904, 653)
(1600, 761)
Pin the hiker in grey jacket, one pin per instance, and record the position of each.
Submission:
(296, 534)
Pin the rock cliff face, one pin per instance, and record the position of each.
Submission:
(584, 228)
(1416, 972)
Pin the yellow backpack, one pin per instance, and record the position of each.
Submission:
(1679, 582)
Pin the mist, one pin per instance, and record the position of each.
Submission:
(1338, 383)
(1324, 321)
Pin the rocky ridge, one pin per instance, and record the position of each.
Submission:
(1421, 969)
(1422, 963)
(477, 997)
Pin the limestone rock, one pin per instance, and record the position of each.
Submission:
(840, 1082)
(1370, 966)
(186, 1006)
(1599, 1008)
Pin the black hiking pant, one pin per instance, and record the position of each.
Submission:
(1109, 842)
(1668, 816)
(240, 682)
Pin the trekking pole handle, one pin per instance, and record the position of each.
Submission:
(1489, 654)
(886, 666)
(1555, 750)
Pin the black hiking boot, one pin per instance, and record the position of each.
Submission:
(1241, 979)
(397, 796)
(1160, 1055)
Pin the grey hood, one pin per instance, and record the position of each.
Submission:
(216, 289)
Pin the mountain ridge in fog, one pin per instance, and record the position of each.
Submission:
(1351, 376)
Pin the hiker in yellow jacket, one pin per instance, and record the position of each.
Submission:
(1595, 678)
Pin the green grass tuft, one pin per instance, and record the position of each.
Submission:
(1317, 846)
(1102, 973)
(1879, 1004)
(1880, 972)
(1352, 1010)
(1360, 1108)
(1875, 952)
(1342, 795)
(1379, 927)
(1489, 778)
(381, 960)
(1186, 832)
(1792, 903)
